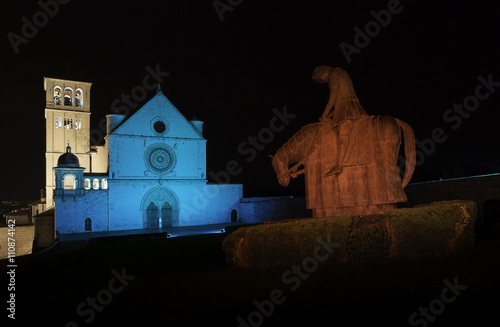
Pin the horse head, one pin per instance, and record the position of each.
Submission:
(280, 166)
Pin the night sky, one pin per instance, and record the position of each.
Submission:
(232, 73)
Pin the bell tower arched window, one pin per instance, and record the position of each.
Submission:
(57, 95)
(68, 96)
(79, 98)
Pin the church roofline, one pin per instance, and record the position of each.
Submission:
(18, 212)
(158, 94)
(47, 213)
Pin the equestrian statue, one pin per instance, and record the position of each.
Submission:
(349, 158)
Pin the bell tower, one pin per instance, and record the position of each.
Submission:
(67, 120)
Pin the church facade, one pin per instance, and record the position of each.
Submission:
(150, 173)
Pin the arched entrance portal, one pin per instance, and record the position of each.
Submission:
(156, 218)
(160, 208)
(234, 216)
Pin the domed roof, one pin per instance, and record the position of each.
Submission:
(68, 160)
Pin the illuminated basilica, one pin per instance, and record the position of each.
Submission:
(150, 172)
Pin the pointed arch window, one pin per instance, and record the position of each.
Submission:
(68, 96)
(86, 183)
(104, 184)
(152, 216)
(166, 214)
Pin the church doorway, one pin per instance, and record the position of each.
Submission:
(160, 208)
(153, 220)
(166, 215)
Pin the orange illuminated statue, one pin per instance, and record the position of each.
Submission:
(349, 157)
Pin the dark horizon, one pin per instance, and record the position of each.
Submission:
(424, 67)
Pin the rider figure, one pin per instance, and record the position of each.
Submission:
(342, 109)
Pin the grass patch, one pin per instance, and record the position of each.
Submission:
(435, 229)
(285, 243)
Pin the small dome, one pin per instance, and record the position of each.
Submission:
(194, 119)
(68, 160)
(197, 124)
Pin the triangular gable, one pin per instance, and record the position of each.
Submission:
(140, 123)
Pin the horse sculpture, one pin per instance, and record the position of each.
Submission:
(349, 157)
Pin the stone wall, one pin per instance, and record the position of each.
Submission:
(193, 202)
(21, 217)
(71, 212)
(221, 200)
(44, 227)
(477, 188)
(100, 159)
(23, 237)
(262, 209)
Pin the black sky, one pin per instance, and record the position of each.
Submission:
(231, 74)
